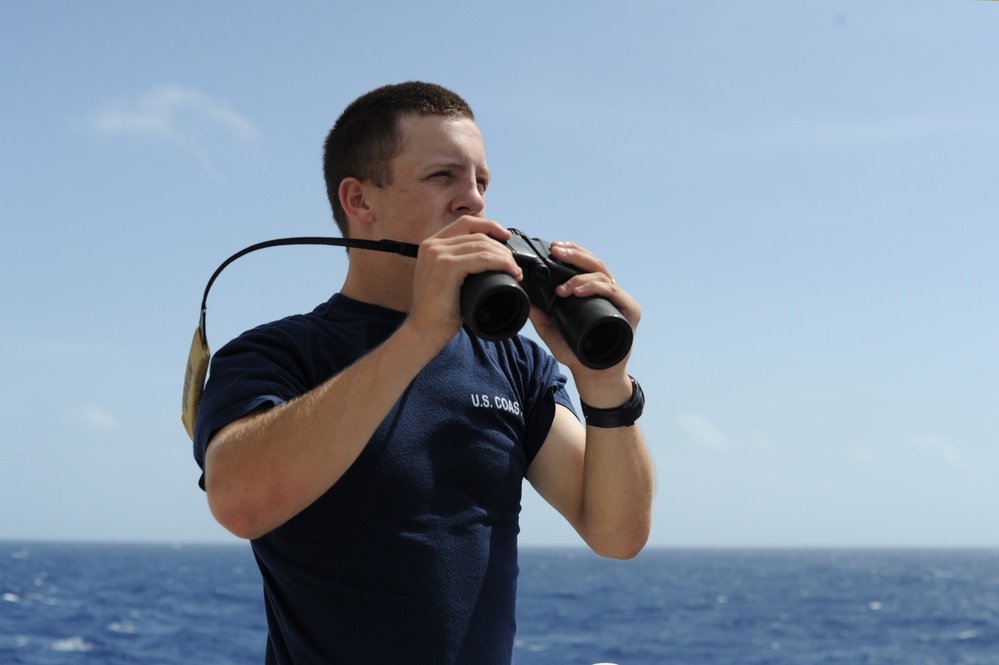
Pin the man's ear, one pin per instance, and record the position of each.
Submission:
(354, 198)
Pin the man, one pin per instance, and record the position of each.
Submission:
(373, 451)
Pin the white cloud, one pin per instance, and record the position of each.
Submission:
(819, 134)
(186, 117)
(942, 448)
(704, 432)
(861, 454)
(764, 442)
(94, 417)
(891, 131)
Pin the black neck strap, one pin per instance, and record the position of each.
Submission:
(391, 246)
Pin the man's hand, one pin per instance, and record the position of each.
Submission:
(595, 280)
(600, 479)
(466, 247)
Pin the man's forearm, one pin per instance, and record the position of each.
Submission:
(618, 487)
(265, 468)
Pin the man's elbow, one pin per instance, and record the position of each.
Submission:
(624, 545)
(625, 550)
(240, 517)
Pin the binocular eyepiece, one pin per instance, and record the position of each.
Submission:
(495, 306)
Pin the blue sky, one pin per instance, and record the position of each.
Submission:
(801, 195)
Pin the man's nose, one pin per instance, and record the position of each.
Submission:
(470, 200)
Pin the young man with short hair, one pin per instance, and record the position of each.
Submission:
(374, 450)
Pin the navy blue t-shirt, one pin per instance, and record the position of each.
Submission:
(410, 557)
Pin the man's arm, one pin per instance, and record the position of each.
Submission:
(265, 468)
(600, 479)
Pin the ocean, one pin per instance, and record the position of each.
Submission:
(173, 605)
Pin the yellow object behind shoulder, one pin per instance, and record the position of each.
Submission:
(194, 381)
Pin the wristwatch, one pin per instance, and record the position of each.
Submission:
(622, 416)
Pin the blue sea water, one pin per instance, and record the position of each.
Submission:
(158, 604)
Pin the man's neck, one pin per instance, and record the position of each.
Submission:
(380, 279)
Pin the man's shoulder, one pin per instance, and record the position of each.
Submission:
(337, 313)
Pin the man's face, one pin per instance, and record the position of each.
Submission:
(439, 176)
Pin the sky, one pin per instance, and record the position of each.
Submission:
(800, 195)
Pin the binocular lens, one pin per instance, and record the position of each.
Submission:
(499, 315)
(494, 306)
(596, 331)
(606, 344)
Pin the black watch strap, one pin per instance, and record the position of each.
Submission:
(622, 416)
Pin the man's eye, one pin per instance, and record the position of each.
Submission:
(483, 184)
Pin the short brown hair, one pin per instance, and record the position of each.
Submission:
(366, 137)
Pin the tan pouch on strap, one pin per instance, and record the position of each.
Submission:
(194, 381)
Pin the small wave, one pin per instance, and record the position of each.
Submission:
(76, 644)
(122, 627)
(10, 598)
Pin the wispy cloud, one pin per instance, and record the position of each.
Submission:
(704, 432)
(95, 418)
(861, 454)
(764, 442)
(890, 131)
(186, 117)
(822, 134)
(942, 448)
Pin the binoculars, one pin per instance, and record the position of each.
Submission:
(495, 306)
